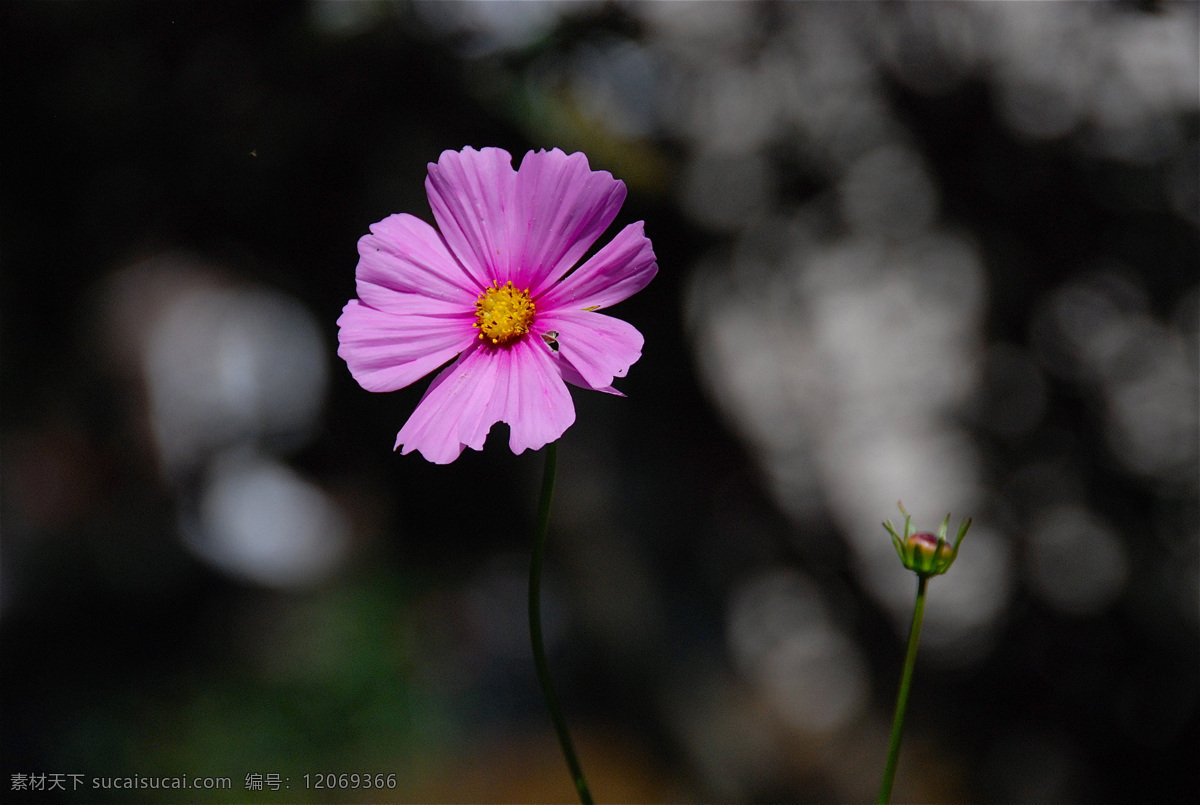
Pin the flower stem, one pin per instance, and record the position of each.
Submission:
(910, 660)
(535, 626)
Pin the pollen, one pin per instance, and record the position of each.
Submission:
(503, 314)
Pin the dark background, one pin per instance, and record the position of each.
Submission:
(1008, 191)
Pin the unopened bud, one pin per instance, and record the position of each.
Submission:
(923, 552)
(926, 553)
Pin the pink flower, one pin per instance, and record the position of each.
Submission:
(492, 291)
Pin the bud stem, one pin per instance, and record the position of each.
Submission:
(910, 660)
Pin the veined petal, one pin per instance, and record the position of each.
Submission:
(599, 347)
(471, 193)
(405, 255)
(386, 351)
(481, 407)
(519, 384)
(619, 270)
(571, 375)
(458, 396)
(536, 403)
(561, 207)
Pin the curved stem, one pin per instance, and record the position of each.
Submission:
(535, 626)
(910, 660)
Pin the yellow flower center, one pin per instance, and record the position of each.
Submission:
(503, 314)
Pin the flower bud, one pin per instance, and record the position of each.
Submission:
(923, 552)
(926, 553)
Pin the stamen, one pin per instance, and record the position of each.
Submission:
(503, 314)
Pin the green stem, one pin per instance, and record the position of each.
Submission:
(535, 626)
(910, 660)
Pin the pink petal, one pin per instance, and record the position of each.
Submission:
(405, 255)
(598, 346)
(471, 193)
(458, 395)
(480, 410)
(519, 385)
(619, 270)
(386, 351)
(561, 207)
(572, 376)
(537, 407)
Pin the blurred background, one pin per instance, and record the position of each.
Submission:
(945, 253)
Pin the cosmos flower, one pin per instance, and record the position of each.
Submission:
(490, 289)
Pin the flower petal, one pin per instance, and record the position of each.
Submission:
(519, 384)
(537, 405)
(471, 193)
(561, 207)
(571, 375)
(458, 396)
(386, 351)
(403, 254)
(619, 270)
(598, 346)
